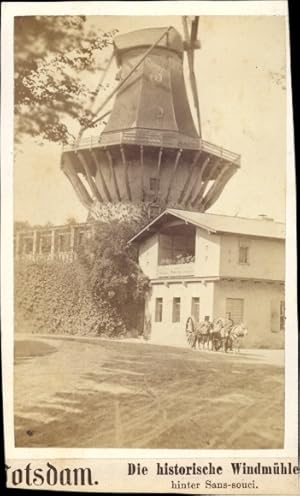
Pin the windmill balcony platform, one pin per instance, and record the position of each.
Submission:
(185, 176)
(92, 142)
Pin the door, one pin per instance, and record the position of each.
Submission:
(195, 308)
(282, 315)
(235, 309)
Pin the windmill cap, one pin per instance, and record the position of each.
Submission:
(147, 37)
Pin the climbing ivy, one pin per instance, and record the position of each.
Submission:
(53, 298)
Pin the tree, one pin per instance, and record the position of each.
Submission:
(71, 221)
(112, 270)
(20, 225)
(51, 55)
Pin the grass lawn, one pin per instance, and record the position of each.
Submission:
(104, 394)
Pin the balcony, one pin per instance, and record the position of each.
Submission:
(176, 251)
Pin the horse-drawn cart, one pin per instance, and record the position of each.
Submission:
(221, 334)
(202, 334)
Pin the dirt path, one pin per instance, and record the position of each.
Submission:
(87, 393)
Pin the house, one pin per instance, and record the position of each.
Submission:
(208, 265)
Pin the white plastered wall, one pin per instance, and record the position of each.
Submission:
(168, 332)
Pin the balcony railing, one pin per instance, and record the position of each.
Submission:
(186, 269)
(221, 152)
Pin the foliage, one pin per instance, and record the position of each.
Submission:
(112, 270)
(101, 293)
(21, 225)
(137, 212)
(54, 298)
(71, 221)
(52, 53)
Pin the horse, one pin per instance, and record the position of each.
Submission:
(202, 333)
(233, 340)
(219, 335)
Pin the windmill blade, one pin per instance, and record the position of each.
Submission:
(191, 43)
(101, 81)
(194, 31)
(195, 96)
(194, 28)
(94, 96)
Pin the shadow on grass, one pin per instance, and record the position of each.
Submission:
(25, 350)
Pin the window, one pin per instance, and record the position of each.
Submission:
(153, 211)
(195, 310)
(276, 310)
(235, 309)
(176, 248)
(176, 310)
(154, 184)
(158, 309)
(243, 253)
(282, 315)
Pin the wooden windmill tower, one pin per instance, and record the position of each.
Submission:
(150, 152)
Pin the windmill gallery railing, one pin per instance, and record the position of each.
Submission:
(205, 146)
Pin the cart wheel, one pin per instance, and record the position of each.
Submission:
(190, 331)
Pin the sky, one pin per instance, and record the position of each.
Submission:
(240, 76)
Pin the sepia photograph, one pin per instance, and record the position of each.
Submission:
(149, 198)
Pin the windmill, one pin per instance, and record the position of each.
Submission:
(150, 153)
